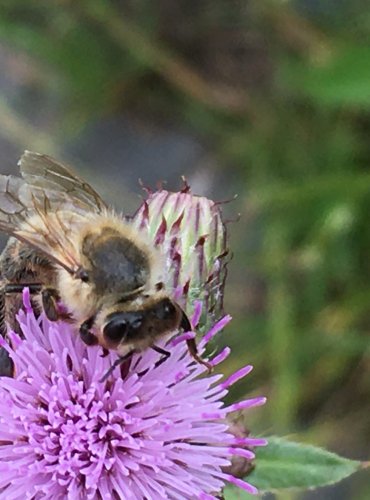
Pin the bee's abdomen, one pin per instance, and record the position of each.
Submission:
(21, 263)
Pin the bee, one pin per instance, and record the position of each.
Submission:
(69, 248)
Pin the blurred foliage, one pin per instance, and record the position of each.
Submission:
(280, 93)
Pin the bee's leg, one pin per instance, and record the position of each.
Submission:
(185, 323)
(165, 355)
(18, 287)
(2, 313)
(192, 346)
(6, 363)
(118, 362)
(86, 336)
(50, 299)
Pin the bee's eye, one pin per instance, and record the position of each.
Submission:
(169, 309)
(165, 309)
(116, 329)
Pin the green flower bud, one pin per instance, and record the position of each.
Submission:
(189, 232)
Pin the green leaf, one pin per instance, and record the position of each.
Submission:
(284, 464)
(232, 493)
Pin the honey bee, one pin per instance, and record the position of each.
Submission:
(69, 248)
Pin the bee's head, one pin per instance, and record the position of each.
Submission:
(141, 327)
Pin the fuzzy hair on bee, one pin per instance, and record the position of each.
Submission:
(70, 249)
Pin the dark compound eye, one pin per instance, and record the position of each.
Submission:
(116, 329)
(165, 310)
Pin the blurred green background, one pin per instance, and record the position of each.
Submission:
(266, 99)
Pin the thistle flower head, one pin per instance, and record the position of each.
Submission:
(159, 432)
(150, 430)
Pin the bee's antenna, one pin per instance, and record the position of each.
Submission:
(185, 322)
(192, 346)
(193, 350)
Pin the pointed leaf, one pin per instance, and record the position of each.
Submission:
(286, 464)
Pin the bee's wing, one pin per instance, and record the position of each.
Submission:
(44, 173)
(45, 207)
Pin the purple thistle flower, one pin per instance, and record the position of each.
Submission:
(149, 431)
(156, 432)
